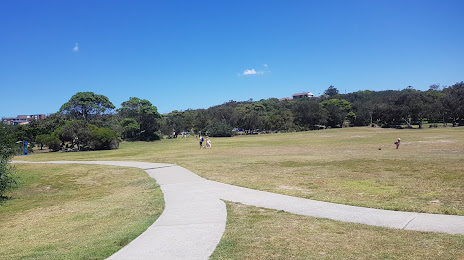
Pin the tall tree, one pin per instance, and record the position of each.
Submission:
(454, 102)
(308, 113)
(331, 91)
(435, 109)
(337, 110)
(77, 132)
(145, 114)
(86, 106)
(252, 116)
(388, 109)
(415, 104)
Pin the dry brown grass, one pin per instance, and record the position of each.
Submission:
(76, 212)
(257, 233)
(339, 165)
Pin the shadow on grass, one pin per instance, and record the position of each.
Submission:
(3, 199)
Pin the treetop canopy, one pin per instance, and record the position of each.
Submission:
(85, 104)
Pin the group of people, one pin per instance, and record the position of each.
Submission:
(208, 141)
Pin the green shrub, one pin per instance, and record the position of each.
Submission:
(53, 142)
(7, 150)
(219, 129)
(104, 139)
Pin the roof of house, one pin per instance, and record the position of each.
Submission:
(303, 94)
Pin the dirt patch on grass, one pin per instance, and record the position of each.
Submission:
(437, 142)
(45, 188)
(289, 188)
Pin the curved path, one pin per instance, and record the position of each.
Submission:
(195, 216)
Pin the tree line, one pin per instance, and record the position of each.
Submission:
(89, 121)
(388, 108)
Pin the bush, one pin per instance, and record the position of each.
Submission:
(219, 129)
(104, 139)
(149, 136)
(53, 142)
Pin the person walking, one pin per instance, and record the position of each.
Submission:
(398, 143)
(208, 142)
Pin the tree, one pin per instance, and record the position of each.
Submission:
(77, 132)
(388, 109)
(337, 110)
(251, 116)
(176, 123)
(85, 136)
(24, 133)
(145, 115)
(331, 91)
(308, 113)
(454, 102)
(7, 150)
(52, 142)
(48, 124)
(86, 106)
(225, 112)
(130, 129)
(414, 104)
(40, 140)
(219, 128)
(363, 106)
(200, 120)
(435, 109)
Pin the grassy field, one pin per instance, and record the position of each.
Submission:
(257, 233)
(338, 165)
(76, 212)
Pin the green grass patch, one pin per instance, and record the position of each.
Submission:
(257, 233)
(76, 211)
(336, 165)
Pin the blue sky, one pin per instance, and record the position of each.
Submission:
(196, 54)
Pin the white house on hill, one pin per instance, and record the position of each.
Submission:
(302, 95)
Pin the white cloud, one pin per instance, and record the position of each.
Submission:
(252, 72)
(76, 48)
(249, 72)
(265, 65)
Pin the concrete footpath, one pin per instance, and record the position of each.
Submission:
(195, 216)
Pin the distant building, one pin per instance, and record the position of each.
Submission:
(22, 119)
(302, 95)
(285, 98)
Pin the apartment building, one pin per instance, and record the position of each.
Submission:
(22, 119)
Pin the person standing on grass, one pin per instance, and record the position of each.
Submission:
(208, 142)
(201, 140)
(398, 143)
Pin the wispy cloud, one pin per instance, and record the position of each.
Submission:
(76, 48)
(250, 72)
